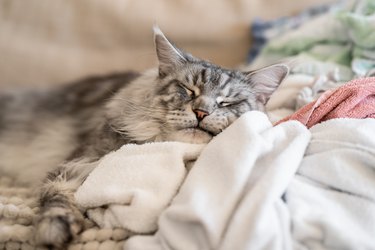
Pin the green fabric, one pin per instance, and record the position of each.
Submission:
(364, 53)
(308, 65)
(345, 38)
(309, 35)
(361, 23)
(332, 52)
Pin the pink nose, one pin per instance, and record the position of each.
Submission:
(200, 114)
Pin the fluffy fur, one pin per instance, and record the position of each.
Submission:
(65, 131)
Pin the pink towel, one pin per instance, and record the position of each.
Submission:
(355, 99)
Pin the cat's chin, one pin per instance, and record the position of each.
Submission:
(190, 135)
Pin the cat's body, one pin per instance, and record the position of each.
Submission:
(40, 129)
(65, 131)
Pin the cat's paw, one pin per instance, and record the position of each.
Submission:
(56, 227)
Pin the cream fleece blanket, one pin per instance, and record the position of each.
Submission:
(136, 183)
(206, 205)
(275, 188)
(254, 186)
(233, 192)
(331, 200)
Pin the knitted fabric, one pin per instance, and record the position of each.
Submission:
(18, 208)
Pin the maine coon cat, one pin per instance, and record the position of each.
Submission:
(64, 131)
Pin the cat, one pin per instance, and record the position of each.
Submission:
(57, 136)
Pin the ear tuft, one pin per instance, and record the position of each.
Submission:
(266, 80)
(168, 55)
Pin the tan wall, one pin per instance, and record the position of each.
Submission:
(44, 41)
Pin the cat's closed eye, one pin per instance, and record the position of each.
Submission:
(185, 93)
(224, 103)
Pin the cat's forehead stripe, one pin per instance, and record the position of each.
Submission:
(215, 77)
(236, 94)
(203, 75)
(229, 91)
(195, 79)
(187, 78)
(225, 80)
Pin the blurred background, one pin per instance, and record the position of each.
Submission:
(44, 42)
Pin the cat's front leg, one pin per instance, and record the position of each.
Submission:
(60, 220)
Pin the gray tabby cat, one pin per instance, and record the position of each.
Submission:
(66, 130)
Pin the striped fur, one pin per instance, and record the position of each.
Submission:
(65, 131)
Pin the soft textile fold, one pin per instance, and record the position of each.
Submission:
(136, 183)
(332, 198)
(233, 193)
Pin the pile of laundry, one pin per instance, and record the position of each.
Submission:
(325, 46)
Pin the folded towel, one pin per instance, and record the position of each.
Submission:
(136, 183)
(355, 99)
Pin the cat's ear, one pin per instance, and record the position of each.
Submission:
(168, 55)
(266, 80)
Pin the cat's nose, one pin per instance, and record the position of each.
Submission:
(200, 114)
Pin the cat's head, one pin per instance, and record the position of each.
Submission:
(192, 100)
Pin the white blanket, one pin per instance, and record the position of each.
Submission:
(231, 199)
(255, 186)
(332, 198)
(136, 183)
